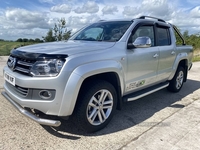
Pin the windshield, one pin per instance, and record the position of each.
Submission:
(103, 31)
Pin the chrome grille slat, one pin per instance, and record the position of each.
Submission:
(22, 92)
(22, 89)
(22, 65)
(22, 70)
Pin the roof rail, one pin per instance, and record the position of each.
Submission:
(143, 17)
(101, 20)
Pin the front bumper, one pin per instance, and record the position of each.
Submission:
(66, 86)
(31, 86)
(30, 115)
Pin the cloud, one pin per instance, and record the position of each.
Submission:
(89, 7)
(78, 22)
(130, 11)
(24, 19)
(46, 1)
(179, 19)
(195, 12)
(20, 21)
(14, 34)
(109, 10)
(64, 8)
(159, 8)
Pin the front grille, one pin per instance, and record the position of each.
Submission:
(22, 66)
(21, 90)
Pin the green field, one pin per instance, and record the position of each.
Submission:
(6, 47)
(196, 56)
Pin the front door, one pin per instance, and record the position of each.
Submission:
(142, 63)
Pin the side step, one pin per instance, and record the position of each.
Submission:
(144, 92)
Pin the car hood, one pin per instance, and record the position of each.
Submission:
(66, 47)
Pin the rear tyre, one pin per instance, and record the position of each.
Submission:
(177, 82)
(96, 105)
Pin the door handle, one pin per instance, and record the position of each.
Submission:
(173, 52)
(155, 55)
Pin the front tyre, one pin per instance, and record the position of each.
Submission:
(96, 105)
(177, 82)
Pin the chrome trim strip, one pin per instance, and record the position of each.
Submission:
(30, 115)
(24, 63)
(21, 69)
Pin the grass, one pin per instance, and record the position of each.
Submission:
(196, 56)
(6, 47)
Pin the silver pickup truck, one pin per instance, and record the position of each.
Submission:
(101, 66)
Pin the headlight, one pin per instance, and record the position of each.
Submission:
(49, 67)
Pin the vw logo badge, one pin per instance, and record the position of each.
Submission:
(11, 62)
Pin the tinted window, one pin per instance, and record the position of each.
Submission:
(144, 31)
(163, 37)
(103, 31)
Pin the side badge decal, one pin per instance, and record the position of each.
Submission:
(134, 85)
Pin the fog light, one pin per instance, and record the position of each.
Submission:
(45, 94)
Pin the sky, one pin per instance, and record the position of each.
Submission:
(34, 18)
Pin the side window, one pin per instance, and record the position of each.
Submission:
(163, 36)
(144, 31)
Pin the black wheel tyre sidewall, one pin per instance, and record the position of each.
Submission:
(172, 86)
(83, 101)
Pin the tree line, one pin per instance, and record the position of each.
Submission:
(60, 32)
(193, 39)
(36, 40)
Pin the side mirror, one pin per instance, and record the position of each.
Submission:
(130, 46)
(142, 42)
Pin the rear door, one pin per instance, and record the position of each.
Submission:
(167, 52)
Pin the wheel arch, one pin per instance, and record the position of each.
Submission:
(184, 63)
(181, 60)
(109, 70)
(112, 78)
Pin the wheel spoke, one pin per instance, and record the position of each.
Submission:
(92, 105)
(103, 114)
(100, 117)
(94, 117)
(107, 107)
(179, 80)
(108, 102)
(94, 99)
(177, 85)
(103, 96)
(93, 113)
